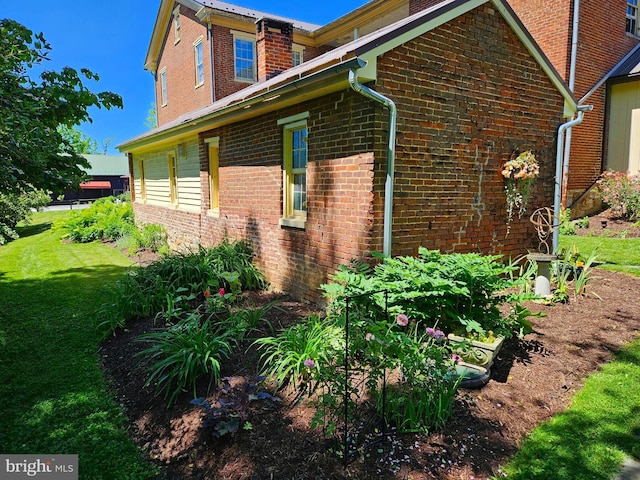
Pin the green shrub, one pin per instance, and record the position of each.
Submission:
(16, 208)
(107, 218)
(621, 192)
(566, 226)
(152, 236)
(176, 280)
(439, 289)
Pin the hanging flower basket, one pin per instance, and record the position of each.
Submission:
(520, 174)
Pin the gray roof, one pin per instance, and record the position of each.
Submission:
(247, 12)
(630, 65)
(107, 164)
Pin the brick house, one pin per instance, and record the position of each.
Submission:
(595, 46)
(384, 130)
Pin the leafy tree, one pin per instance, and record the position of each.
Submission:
(152, 117)
(33, 153)
(80, 142)
(16, 207)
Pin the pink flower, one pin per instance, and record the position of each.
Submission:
(221, 292)
(369, 336)
(456, 358)
(439, 335)
(402, 320)
(431, 331)
(309, 363)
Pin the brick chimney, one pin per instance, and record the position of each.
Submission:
(274, 39)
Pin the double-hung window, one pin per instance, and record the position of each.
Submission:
(297, 55)
(632, 17)
(163, 86)
(244, 54)
(199, 59)
(176, 25)
(294, 196)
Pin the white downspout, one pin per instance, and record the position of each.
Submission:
(560, 167)
(572, 83)
(391, 153)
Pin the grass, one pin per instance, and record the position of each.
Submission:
(616, 254)
(53, 395)
(593, 437)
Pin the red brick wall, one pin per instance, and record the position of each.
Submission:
(179, 60)
(468, 95)
(340, 196)
(601, 45)
(463, 108)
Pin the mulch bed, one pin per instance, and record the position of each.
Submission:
(533, 378)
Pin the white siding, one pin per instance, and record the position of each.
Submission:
(156, 169)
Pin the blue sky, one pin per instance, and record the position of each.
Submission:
(111, 39)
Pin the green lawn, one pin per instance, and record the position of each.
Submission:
(53, 395)
(616, 254)
(590, 440)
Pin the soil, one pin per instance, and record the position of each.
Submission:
(532, 379)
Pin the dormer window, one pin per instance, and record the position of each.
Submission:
(297, 55)
(176, 25)
(244, 54)
(632, 17)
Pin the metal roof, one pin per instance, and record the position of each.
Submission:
(372, 42)
(629, 67)
(248, 12)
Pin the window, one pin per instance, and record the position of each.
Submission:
(297, 53)
(176, 25)
(295, 170)
(632, 17)
(214, 167)
(199, 62)
(244, 53)
(163, 85)
(173, 179)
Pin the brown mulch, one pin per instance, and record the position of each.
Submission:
(533, 378)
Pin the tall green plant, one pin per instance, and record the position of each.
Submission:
(181, 276)
(180, 355)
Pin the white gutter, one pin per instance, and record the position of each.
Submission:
(391, 152)
(560, 168)
(572, 83)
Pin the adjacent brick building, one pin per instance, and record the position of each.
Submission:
(598, 36)
(297, 161)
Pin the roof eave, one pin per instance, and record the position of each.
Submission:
(268, 99)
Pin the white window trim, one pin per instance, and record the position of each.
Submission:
(163, 87)
(288, 219)
(300, 49)
(176, 25)
(198, 42)
(249, 38)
